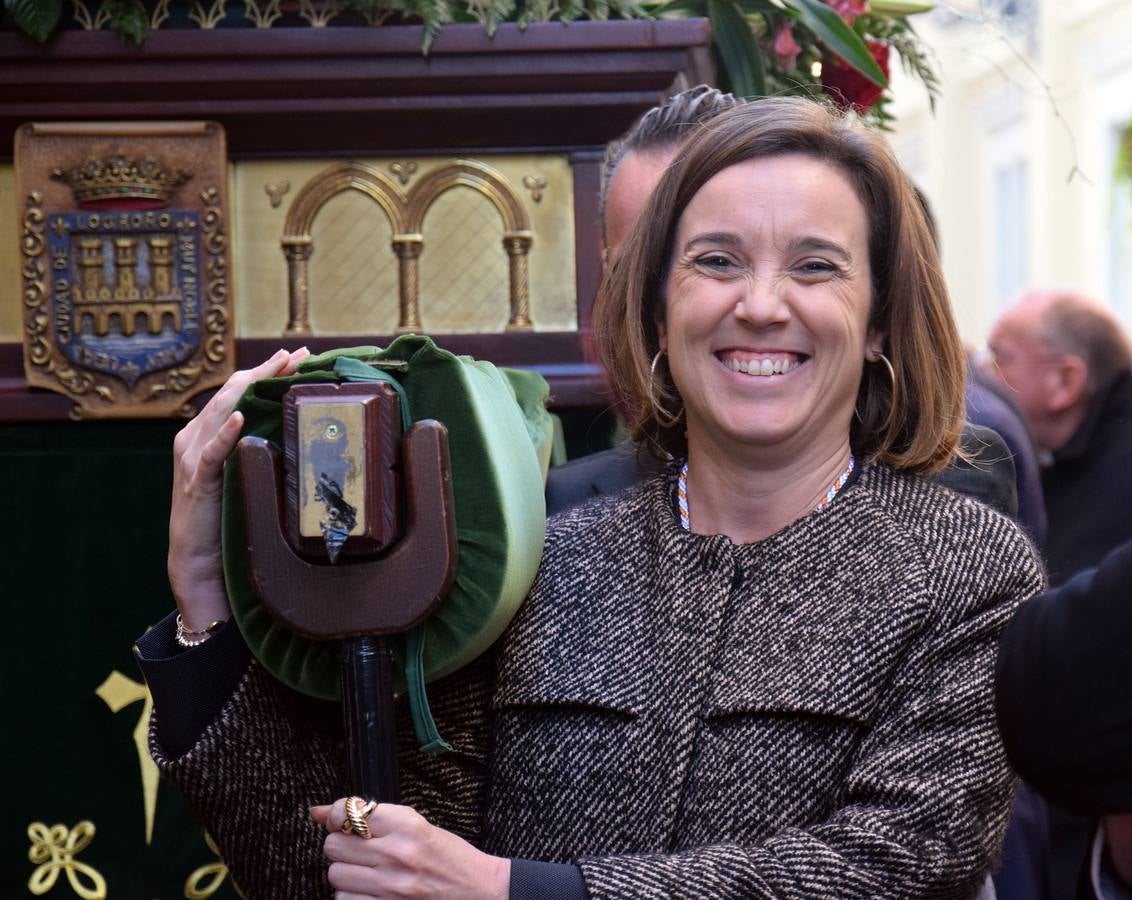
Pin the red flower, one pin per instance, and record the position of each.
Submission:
(847, 86)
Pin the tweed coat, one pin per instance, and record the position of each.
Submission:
(807, 716)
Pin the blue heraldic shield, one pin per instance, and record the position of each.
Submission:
(126, 289)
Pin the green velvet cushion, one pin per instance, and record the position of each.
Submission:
(499, 438)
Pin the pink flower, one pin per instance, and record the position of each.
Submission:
(786, 49)
(849, 9)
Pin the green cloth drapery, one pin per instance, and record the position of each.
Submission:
(500, 437)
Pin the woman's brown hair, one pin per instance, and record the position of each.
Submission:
(917, 426)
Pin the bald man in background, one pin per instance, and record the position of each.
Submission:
(1066, 361)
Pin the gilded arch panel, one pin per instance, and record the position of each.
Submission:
(334, 180)
(517, 236)
(475, 175)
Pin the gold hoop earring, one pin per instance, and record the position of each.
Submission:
(880, 357)
(891, 372)
(663, 416)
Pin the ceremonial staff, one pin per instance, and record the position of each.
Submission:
(352, 537)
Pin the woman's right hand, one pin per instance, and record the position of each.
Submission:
(196, 572)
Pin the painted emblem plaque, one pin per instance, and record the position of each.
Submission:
(124, 264)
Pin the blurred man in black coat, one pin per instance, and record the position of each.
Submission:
(1064, 698)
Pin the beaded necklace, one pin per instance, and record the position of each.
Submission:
(682, 491)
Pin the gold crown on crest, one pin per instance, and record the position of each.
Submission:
(120, 177)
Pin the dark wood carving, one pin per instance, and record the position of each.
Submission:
(386, 594)
(341, 90)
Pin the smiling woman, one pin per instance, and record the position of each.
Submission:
(766, 672)
(798, 201)
(766, 324)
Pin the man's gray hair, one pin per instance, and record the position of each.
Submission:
(1082, 327)
(663, 127)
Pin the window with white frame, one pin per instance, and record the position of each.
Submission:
(1003, 187)
(1011, 221)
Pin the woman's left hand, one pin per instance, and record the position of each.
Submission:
(407, 857)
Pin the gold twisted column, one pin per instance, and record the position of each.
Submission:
(518, 245)
(408, 248)
(298, 252)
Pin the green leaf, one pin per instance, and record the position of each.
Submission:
(128, 18)
(597, 10)
(691, 8)
(738, 52)
(1123, 163)
(831, 29)
(537, 11)
(914, 58)
(434, 15)
(762, 7)
(569, 10)
(35, 18)
(900, 7)
(490, 13)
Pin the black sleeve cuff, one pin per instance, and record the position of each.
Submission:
(533, 880)
(189, 685)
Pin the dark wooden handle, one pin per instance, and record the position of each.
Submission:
(367, 708)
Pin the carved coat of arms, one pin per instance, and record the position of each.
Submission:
(127, 301)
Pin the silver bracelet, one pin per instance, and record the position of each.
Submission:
(186, 637)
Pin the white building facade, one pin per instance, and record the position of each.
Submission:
(1019, 158)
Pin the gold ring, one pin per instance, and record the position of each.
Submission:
(357, 817)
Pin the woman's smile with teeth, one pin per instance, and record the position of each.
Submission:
(762, 365)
